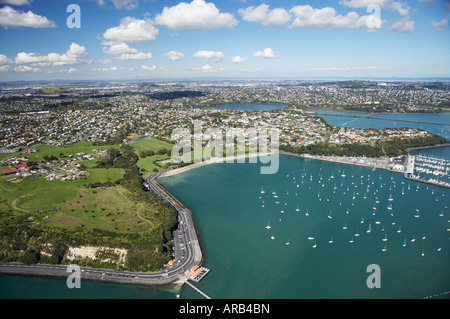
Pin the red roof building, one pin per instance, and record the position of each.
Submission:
(9, 171)
(19, 166)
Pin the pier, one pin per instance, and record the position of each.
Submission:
(198, 290)
(434, 167)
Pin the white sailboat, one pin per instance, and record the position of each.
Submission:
(404, 243)
(329, 216)
(268, 225)
(390, 198)
(315, 244)
(385, 238)
(307, 214)
(351, 241)
(345, 226)
(330, 241)
(399, 229)
(288, 243)
(384, 249)
(369, 230)
(272, 237)
(297, 209)
(357, 233)
(262, 190)
(440, 248)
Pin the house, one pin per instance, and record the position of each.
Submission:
(10, 171)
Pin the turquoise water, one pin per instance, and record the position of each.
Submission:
(20, 287)
(246, 263)
(442, 118)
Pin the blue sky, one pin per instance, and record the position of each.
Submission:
(164, 39)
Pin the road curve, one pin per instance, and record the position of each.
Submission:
(186, 233)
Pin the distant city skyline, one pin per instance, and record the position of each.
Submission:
(212, 39)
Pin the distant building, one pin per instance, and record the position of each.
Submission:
(10, 171)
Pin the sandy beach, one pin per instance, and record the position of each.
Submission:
(212, 161)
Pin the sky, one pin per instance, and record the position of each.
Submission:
(164, 39)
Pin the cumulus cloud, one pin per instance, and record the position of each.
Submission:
(239, 59)
(266, 53)
(4, 60)
(133, 56)
(74, 56)
(401, 7)
(363, 3)
(403, 26)
(25, 68)
(209, 69)
(121, 51)
(125, 4)
(215, 56)
(198, 15)
(132, 30)
(17, 2)
(10, 17)
(174, 55)
(308, 17)
(113, 68)
(148, 68)
(263, 15)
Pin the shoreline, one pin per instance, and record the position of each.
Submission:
(224, 159)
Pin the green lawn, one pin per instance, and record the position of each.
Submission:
(79, 147)
(150, 144)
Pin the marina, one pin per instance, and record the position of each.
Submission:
(332, 214)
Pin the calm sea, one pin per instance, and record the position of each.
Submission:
(246, 262)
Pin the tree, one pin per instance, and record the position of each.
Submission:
(31, 256)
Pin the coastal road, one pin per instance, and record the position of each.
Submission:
(185, 235)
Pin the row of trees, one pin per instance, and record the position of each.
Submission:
(391, 148)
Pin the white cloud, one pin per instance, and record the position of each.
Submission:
(105, 61)
(266, 53)
(74, 56)
(308, 17)
(174, 55)
(113, 68)
(401, 7)
(132, 30)
(10, 17)
(215, 56)
(17, 2)
(134, 56)
(25, 68)
(127, 4)
(403, 26)
(198, 15)
(148, 68)
(262, 14)
(363, 3)
(440, 26)
(116, 48)
(4, 60)
(121, 51)
(238, 59)
(209, 69)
